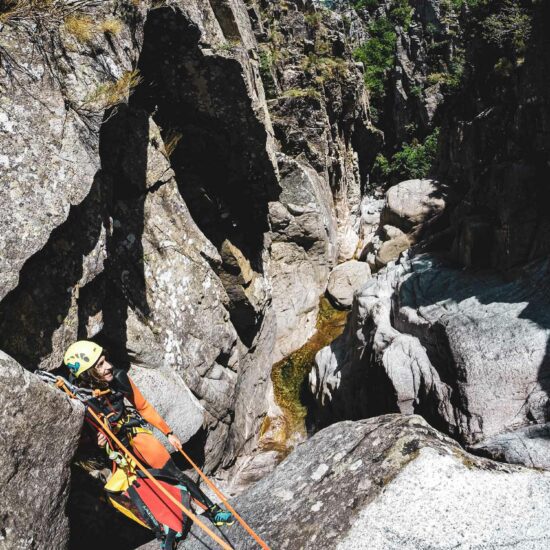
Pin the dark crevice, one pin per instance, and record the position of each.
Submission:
(123, 149)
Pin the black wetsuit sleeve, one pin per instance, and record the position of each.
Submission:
(122, 382)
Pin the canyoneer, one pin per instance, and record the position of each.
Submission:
(91, 369)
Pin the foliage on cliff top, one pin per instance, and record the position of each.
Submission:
(508, 27)
(378, 53)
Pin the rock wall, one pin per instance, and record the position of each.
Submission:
(495, 138)
(415, 64)
(149, 201)
(437, 340)
(40, 430)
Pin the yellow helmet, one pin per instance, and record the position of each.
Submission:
(81, 356)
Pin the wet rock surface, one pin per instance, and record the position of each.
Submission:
(391, 482)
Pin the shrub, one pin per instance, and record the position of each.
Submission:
(378, 53)
(415, 160)
(314, 19)
(266, 64)
(368, 4)
(302, 92)
(509, 27)
(380, 169)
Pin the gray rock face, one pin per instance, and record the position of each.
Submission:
(421, 74)
(392, 482)
(466, 351)
(529, 446)
(345, 279)
(318, 104)
(129, 261)
(50, 146)
(303, 250)
(40, 430)
(181, 236)
(413, 202)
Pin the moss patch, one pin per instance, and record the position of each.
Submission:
(289, 374)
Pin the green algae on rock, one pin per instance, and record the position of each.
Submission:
(288, 376)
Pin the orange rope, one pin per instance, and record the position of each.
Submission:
(129, 455)
(225, 503)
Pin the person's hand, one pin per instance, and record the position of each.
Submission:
(174, 441)
(101, 439)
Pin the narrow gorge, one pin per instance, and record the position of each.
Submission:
(315, 234)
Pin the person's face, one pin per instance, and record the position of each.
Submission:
(104, 369)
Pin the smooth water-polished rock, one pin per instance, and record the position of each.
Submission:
(391, 482)
(345, 279)
(40, 430)
(466, 350)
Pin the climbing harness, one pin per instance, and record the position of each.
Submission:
(131, 469)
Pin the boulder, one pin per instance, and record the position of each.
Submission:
(413, 202)
(390, 232)
(391, 482)
(390, 250)
(466, 350)
(40, 430)
(173, 400)
(345, 279)
(529, 446)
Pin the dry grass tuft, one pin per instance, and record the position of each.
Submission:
(81, 27)
(171, 142)
(56, 12)
(84, 28)
(23, 9)
(111, 26)
(110, 94)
